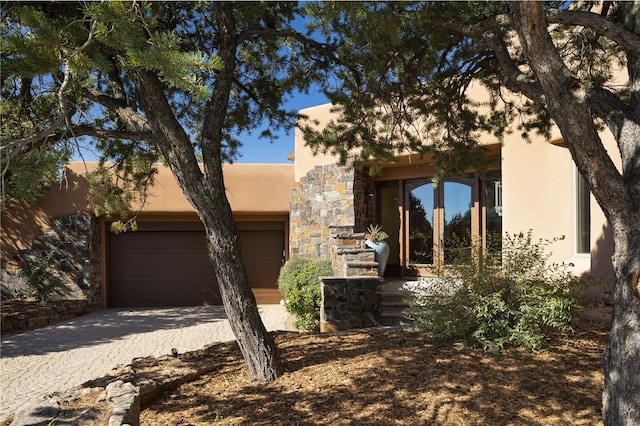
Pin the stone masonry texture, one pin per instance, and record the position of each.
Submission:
(75, 242)
(327, 196)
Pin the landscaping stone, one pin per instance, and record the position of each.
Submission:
(37, 413)
(54, 409)
(124, 400)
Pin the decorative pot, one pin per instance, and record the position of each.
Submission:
(381, 250)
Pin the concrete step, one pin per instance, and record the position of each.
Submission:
(355, 268)
(395, 299)
(353, 250)
(394, 311)
(395, 302)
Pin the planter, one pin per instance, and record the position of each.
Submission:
(381, 250)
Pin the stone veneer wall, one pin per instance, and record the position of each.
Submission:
(350, 302)
(327, 196)
(349, 256)
(352, 297)
(75, 239)
(20, 315)
(326, 206)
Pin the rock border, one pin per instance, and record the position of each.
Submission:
(125, 390)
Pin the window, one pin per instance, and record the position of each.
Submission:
(439, 228)
(456, 236)
(421, 222)
(493, 212)
(583, 214)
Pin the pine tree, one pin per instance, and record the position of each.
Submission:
(411, 67)
(176, 81)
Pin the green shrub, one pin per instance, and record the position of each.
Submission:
(42, 277)
(498, 299)
(300, 285)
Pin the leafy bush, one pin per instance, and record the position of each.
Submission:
(496, 299)
(42, 277)
(300, 285)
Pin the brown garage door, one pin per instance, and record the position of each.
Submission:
(166, 264)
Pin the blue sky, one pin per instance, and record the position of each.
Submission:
(255, 150)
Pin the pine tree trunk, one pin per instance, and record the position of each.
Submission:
(258, 348)
(617, 194)
(206, 192)
(621, 360)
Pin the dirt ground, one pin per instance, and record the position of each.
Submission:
(378, 377)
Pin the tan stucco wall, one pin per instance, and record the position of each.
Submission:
(255, 191)
(305, 159)
(251, 188)
(538, 193)
(21, 223)
(321, 115)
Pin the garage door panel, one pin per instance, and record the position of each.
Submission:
(161, 269)
(172, 268)
(261, 250)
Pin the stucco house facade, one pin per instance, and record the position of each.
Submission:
(164, 262)
(285, 210)
(528, 186)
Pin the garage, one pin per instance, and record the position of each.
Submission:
(166, 264)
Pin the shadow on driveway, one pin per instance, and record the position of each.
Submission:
(104, 326)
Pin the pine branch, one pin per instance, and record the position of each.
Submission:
(131, 117)
(513, 78)
(627, 40)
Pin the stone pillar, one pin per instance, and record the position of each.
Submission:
(349, 256)
(324, 197)
(351, 298)
(350, 302)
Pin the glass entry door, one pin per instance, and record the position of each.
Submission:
(456, 228)
(389, 217)
(439, 220)
(421, 206)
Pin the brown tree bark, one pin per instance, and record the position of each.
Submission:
(617, 193)
(204, 188)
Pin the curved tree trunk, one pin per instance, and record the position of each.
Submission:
(621, 359)
(206, 193)
(223, 243)
(618, 194)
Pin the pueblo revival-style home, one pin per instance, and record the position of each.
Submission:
(285, 210)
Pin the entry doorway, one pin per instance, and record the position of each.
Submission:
(440, 221)
(432, 225)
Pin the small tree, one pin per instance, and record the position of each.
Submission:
(41, 275)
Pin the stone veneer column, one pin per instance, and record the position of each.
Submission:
(350, 302)
(327, 196)
(326, 207)
(322, 198)
(351, 298)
